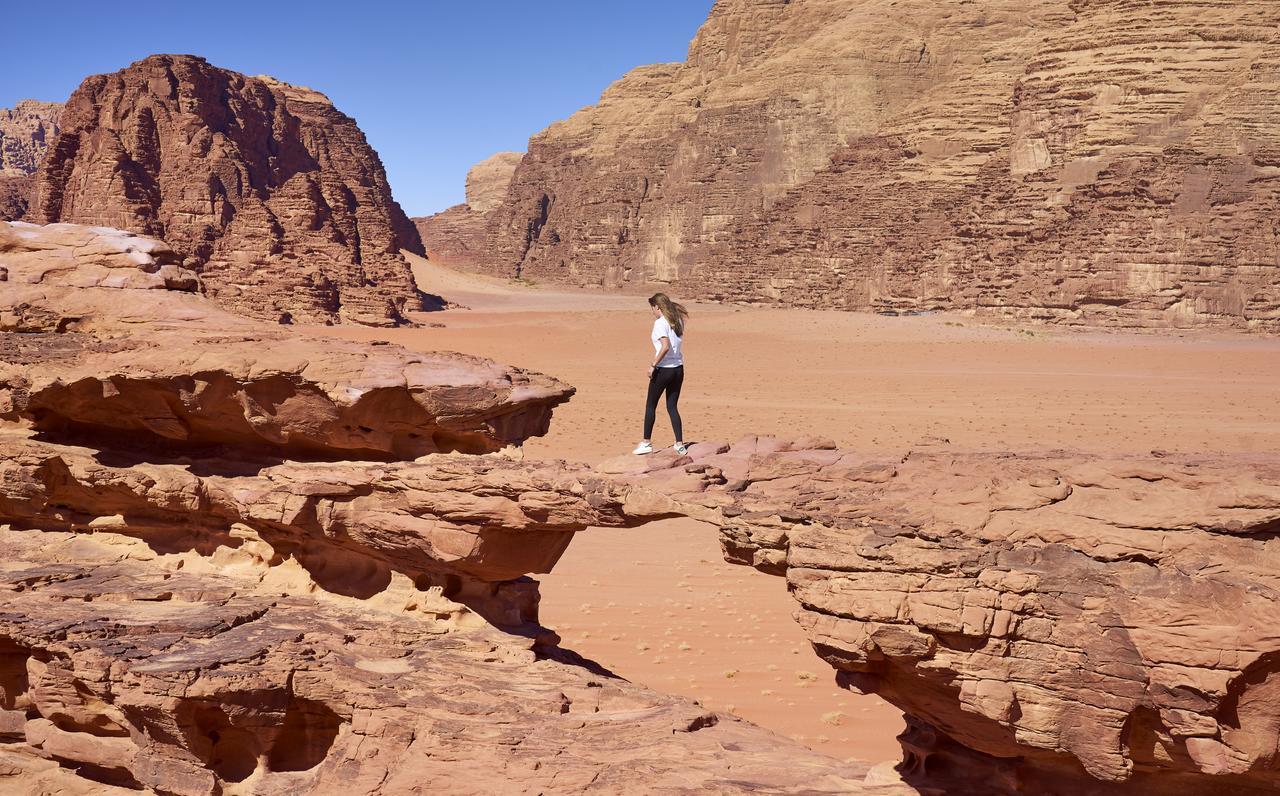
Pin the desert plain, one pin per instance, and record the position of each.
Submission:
(659, 606)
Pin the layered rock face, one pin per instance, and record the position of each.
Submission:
(457, 235)
(270, 192)
(26, 131)
(200, 376)
(1057, 624)
(184, 612)
(1106, 162)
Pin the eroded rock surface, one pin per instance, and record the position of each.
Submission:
(131, 673)
(270, 192)
(184, 617)
(1061, 623)
(189, 605)
(115, 339)
(1106, 162)
(26, 131)
(457, 235)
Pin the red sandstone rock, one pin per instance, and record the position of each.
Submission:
(1050, 624)
(1105, 163)
(116, 340)
(274, 195)
(26, 130)
(184, 621)
(13, 196)
(133, 670)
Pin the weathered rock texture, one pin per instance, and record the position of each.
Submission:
(180, 617)
(1106, 162)
(1059, 624)
(116, 340)
(26, 131)
(13, 196)
(273, 194)
(457, 235)
(119, 668)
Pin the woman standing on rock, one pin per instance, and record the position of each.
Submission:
(666, 374)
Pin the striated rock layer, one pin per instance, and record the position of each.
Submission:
(457, 235)
(1057, 624)
(270, 192)
(113, 339)
(26, 131)
(184, 612)
(1107, 162)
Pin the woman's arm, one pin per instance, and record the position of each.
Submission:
(662, 352)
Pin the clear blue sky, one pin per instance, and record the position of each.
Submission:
(436, 85)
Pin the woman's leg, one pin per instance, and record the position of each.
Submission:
(673, 399)
(651, 403)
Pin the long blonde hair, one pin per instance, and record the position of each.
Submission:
(673, 312)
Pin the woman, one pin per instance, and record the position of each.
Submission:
(666, 374)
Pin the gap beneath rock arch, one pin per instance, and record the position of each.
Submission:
(615, 594)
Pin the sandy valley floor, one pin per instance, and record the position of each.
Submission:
(659, 606)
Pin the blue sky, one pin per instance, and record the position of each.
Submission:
(435, 85)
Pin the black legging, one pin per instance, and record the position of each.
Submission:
(670, 381)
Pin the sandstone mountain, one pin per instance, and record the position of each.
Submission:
(1102, 162)
(270, 192)
(26, 131)
(457, 235)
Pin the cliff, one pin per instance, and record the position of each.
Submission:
(241, 560)
(1058, 623)
(26, 131)
(1106, 163)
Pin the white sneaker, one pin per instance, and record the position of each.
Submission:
(681, 448)
(643, 448)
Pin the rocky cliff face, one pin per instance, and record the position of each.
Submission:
(26, 131)
(1055, 624)
(1105, 162)
(273, 194)
(457, 236)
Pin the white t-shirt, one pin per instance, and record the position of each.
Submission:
(661, 329)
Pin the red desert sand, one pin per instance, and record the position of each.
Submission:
(651, 604)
